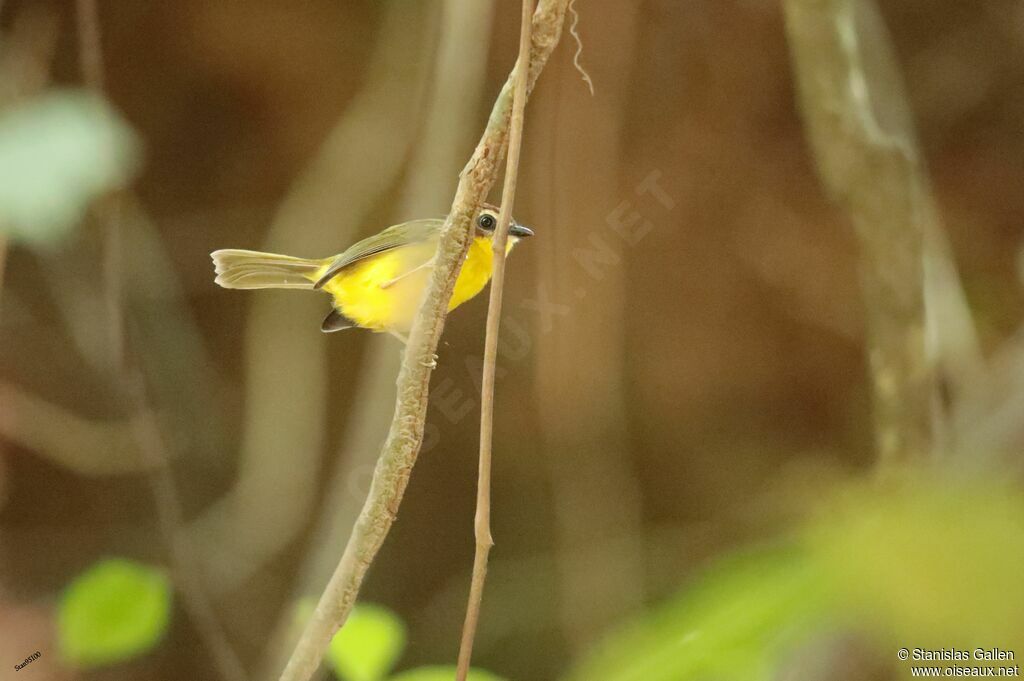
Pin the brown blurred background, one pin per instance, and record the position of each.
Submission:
(656, 390)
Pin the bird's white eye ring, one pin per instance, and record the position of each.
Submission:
(486, 222)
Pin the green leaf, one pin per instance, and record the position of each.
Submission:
(116, 610)
(369, 644)
(443, 673)
(57, 153)
(931, 563)
(736, 623)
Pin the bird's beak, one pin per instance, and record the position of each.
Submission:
(519, 231)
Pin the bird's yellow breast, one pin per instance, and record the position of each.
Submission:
(384, 291)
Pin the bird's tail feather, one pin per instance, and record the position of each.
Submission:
(251, 269)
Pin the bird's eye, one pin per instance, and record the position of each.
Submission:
(486, 221)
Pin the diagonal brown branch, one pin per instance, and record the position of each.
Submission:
(401, 447)
(169, 518)
(90, 56)
(482, 523)
(3, 260)
(449, 113)
(146, 428)
(90, 51)
(283, 440)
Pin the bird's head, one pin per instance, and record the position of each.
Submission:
(487, 221)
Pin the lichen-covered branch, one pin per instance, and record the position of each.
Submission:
(406, 432)
(283, 440)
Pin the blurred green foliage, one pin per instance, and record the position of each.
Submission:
(929, 563)
(115, 610)
(443, 673)
(58, 152)
(734, 623)
(371, 643)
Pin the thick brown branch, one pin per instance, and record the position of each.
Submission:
(399, 452)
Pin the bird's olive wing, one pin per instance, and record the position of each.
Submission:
(414, 231)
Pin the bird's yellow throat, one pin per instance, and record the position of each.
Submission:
(375, 295)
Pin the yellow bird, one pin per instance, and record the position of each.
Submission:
(377, 283)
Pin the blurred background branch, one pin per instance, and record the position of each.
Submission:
(182, 554)
(85, 446)
(860, 128)
(451, 109)
(596, 502)
(123, 358)
(288, 393)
